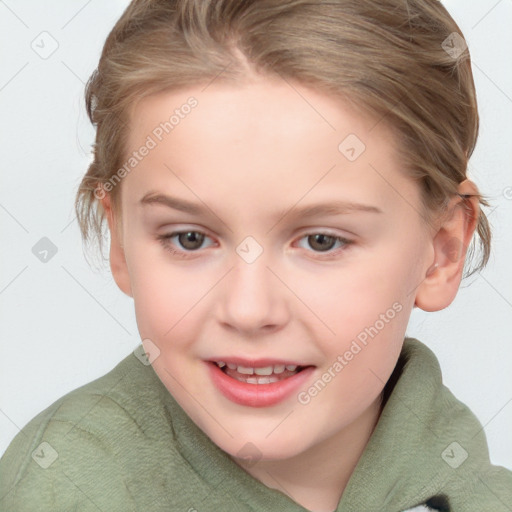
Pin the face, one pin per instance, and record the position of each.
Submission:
(304, 307)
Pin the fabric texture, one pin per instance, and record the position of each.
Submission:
(122, 443)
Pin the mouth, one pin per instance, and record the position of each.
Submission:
(259, 375)
(259, 384)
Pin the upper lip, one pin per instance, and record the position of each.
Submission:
(256, 363)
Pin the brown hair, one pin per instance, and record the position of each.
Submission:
(402, 61)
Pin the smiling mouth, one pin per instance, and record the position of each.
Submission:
(262, 375)
(265, 384)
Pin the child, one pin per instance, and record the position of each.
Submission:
(234, 139)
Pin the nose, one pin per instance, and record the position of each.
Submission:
(253, 298)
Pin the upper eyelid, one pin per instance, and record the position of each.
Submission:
(299, 236)
(303, 232)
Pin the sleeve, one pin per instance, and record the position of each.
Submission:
(58, 465)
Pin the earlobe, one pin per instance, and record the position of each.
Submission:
(442, 278)
(118, 263)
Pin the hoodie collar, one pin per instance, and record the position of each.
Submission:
(419, 452)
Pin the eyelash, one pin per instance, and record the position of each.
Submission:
(165, 241)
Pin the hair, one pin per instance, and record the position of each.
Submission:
(388, 58)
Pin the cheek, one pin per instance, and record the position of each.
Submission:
(163, 293)
(357, 295)
(368, 310)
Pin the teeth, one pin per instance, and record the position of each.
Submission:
(279, 368)
(261, 380)
(266, 370)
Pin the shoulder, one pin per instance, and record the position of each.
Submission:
(83, 450)
(470, 479)
(488, 488)
(442, 441)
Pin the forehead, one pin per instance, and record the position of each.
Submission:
(266, 140)
(271, 108)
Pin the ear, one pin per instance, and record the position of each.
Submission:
(450, 243)
(118, 264)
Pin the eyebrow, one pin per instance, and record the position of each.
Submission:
(328, 208)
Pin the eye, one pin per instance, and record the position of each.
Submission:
(324, 242)
(190, 240)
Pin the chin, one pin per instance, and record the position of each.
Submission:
(258, 448)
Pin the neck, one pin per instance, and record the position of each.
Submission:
(317, 477)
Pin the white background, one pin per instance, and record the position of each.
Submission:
(64, 324)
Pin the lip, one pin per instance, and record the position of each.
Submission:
(256, 395)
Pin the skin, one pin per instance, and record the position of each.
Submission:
(249, 151)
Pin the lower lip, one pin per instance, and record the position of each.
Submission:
(257, 395)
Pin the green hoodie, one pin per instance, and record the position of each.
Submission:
(122, 443)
